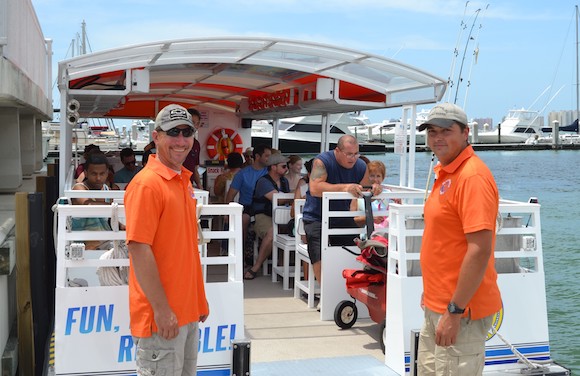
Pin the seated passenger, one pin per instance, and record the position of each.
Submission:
(88, 150)
(97, 173)
(377, 174)
(294, 171)
(234, 164)
(130, 168)
(273, 182)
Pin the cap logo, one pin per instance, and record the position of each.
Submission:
(177, 114)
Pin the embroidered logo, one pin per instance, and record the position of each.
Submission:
(177, 114)
(445, 186)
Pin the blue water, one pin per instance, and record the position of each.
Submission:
(554, 178)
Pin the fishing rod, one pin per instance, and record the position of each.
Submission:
(462, 27)
(469, 38)
(473, 59)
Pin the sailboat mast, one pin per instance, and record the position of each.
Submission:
(84, 38)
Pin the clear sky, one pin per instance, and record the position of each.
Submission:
(525, 46)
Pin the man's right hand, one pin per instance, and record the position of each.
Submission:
(355, 190)
(167, 325)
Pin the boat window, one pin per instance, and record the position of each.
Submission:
(313, 128)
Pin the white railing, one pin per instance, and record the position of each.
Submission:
(335, 259)
(96, 318)
(519, 263)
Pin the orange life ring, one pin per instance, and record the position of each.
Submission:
(222, 142)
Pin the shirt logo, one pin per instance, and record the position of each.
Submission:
(445, 186)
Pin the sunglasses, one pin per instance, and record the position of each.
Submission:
(174, 132)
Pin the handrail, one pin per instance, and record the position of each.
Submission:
(65, 237)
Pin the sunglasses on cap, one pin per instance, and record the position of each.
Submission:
(174, 132)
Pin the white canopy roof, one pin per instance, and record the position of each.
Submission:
(254, 77)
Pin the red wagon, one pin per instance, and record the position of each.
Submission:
(367, 285)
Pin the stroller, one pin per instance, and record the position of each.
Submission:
(367, 285)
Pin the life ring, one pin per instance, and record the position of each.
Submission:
(222, 142)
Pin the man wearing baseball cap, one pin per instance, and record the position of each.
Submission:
(460, 292)
(166, 291)
(274, 181)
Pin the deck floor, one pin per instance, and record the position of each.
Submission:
(282, 328)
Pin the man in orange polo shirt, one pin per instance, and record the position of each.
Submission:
(166, 291)
(460, 292)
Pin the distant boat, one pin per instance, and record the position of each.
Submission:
(138, 136)
(83, 133)
(385, 132)
(301, 135)
(569, 137)
(518, 126)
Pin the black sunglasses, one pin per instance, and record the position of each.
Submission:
(174, 132)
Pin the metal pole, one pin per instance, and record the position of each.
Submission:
(577, 74)
(84, 38)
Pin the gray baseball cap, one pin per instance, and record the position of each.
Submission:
(171, 116)
(277, 158)
(444, 115)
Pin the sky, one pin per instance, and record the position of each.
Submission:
(526, 48)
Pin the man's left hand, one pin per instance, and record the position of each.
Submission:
(202, 318)
(447, 329)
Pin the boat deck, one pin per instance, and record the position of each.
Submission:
(283, 329)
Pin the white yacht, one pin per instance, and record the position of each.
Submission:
(386, 131)
(517, 127)
(138, 136)
(301, 135)
(83, 133)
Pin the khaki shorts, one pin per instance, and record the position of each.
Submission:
(178, 356)
(465, 357)
(262, 225)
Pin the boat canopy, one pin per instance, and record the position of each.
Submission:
(256, 78)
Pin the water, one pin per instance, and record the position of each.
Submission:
(554, 178)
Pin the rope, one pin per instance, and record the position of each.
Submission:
(114, 275)
(516, 351)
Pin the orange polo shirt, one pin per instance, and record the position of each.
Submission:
(464, 200)
(161, 211)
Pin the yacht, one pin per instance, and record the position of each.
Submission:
(517, 127)
(385, 132)
(138, 136)
(83, 133)
(301, 135)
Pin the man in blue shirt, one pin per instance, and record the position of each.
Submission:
(338, 170)
(244, 182)
(130, 167)
(274, 181)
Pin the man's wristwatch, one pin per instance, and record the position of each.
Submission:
(454, 309)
